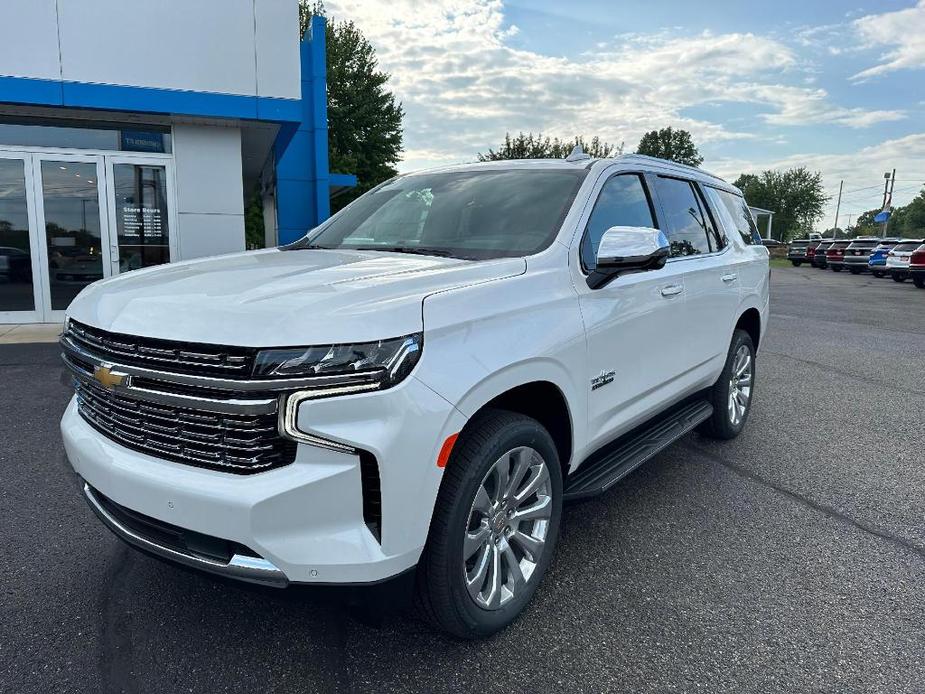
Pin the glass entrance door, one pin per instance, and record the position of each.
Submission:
(20, 290)
(67, 220)
(72, 216)
(139, 194)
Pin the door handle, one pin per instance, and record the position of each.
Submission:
(672, 290)
(730, 278)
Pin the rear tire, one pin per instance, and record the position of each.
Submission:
(796, 263)
(877, 273)
(855, 271)
(733, 392)
(919, 282)
(836, 268)
(449, 591)
(899, 278)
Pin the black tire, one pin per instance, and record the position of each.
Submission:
(441, 593)
(919, 282)
(796, 263)
(720, 425)
(877, 273)
(898, 278)
(836, 268)
(855, 270)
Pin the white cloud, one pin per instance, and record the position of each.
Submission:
(902, 31)
(862, 169)
(463, 85)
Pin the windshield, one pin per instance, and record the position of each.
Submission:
(472, 215)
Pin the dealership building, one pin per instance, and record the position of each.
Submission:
(134, 133)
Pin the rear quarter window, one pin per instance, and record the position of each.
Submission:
(741, 216)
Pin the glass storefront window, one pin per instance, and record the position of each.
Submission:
(78, 135)
(15, 252)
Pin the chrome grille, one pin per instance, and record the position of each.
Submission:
(233, 443)
(181, 357)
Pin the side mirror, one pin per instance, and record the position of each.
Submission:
(628, 249)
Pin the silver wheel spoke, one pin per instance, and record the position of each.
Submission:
(523, 457)
(475, 540)
(515, 575)
(482, 502)
(539, 478)
(476, 579)
(502, 478)
(529, 544)
(493, 596)
(541, 509)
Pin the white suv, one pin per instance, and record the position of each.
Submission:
(421, 381)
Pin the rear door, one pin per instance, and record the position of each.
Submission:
(700, 251)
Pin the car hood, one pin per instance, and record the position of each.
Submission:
(281, 298)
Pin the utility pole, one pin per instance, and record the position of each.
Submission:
(889, 200)
(837, 207)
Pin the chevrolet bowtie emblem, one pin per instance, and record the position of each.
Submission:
(108, 378)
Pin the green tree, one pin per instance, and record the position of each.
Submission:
(364, 118)
(532, 146)
(795, 196)
(909, 220)
(253, 222)
(670, 143)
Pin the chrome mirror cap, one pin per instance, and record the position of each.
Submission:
(628, 249)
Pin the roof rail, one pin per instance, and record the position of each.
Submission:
(669, 162)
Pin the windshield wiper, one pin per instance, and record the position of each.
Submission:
(416, 250)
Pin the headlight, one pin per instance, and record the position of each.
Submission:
(379, 364)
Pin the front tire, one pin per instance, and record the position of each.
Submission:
(731, 395)
(494, 528)
(877, 273)
(919, 282)
(898, 278)
(796, 263)
(855, 271)
(836, 268)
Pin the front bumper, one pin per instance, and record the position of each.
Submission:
(304, 520)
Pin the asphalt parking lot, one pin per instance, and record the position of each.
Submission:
(791, 559)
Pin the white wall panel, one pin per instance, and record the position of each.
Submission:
(208, 165)
(29, 39)
(199, 45)
(278, 73)
(203, 235)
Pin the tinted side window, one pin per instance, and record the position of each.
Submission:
(623, 201)
(715, 232)
(741, 215)
(685, 223)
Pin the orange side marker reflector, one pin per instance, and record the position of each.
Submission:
(446, 449)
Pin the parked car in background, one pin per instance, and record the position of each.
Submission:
(797, 251)
(835, 254)
(897, 261)
(819, 254)
(917, 266)
(876, 263)
(858, 253)
(15, 264)
(771, 243)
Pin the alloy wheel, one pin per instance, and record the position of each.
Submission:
(740, 384)
(507, 527)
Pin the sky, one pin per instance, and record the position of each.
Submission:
(838, 87)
